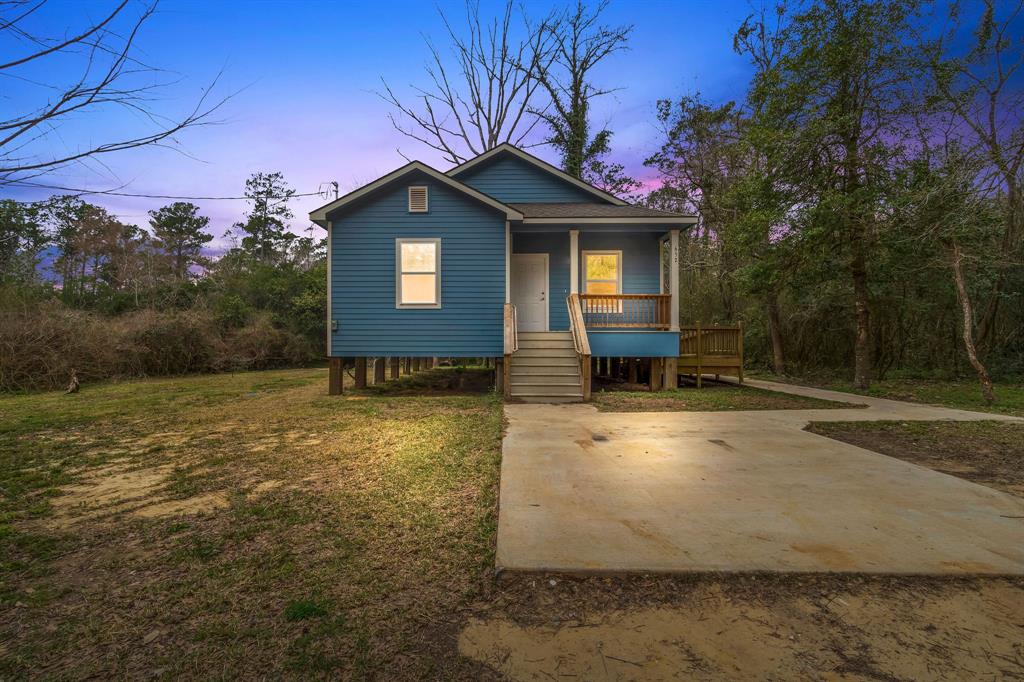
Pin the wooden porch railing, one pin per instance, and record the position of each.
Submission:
(711, 350)
(511, 330)
(647, 311)
(580, 340)
(511, 342)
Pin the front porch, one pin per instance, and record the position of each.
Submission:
(605, 299)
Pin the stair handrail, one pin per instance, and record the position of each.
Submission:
(511, 329)
(578, 327)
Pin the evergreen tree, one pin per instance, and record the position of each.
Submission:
(178, 233)
(266, 224)
(22, 239)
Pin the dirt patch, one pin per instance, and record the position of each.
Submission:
(113, 488)
(122, 487)
(746, 628)
(199, 504)
(989, 453)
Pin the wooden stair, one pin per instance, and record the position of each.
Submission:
(545, 369)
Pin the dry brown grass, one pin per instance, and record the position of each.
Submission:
(242, 525)
(357, 543)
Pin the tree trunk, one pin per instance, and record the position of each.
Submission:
(965, 307)
(989, 316)
(775, 331)
(862, 342)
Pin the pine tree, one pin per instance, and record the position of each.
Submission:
(178, 233)
(266, 224)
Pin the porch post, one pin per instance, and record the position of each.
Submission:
(508, 263)
(334, 373)
(574, 261)
(673, 279)
(671, 366)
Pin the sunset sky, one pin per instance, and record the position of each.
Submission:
(304, 74)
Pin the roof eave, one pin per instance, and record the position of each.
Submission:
(666, 220)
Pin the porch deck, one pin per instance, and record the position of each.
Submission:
(633, 327)
(711, 350)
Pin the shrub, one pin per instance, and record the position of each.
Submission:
(40, 345)
(260, 345)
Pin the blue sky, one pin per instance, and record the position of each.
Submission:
(304, 76)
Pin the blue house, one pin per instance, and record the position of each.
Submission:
(503, 257)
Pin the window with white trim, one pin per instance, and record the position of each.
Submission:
(418, 273)
(602, 272)
(602, 275)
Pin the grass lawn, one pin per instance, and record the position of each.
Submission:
(963, 394)
(233, 525)
(713, 397)
(250, 526)
(988, 452)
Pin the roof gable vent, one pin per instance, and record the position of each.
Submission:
(418, 199)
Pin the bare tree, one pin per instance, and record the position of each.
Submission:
(956, 264)
(488, 96)
(580, 44)
(110, 76)
(980, 91)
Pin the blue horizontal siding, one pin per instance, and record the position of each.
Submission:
(512, 180)
(470, 320)
(637, 344)
(641, 258)
(641, 261)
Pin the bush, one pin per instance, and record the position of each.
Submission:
(39, 346)
(260, 345)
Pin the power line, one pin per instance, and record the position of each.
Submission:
(38, 185)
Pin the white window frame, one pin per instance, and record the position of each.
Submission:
(426, 199)
(618, 274)
(436, 241)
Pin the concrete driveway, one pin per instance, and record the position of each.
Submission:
(583, 490)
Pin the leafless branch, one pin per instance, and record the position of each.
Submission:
(109, 77)
(485, 99)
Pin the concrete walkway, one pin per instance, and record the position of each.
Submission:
(583, 490)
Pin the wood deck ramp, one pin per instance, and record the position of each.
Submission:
(711, 350)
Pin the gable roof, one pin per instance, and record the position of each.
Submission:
(506, 148)
(319, 215)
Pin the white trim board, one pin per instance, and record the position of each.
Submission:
(330, 309)
(671, 220)
(399, 241)
(601, 252)
(505, 147)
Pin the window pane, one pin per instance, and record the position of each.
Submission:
(602, 266)
(419, 257)
(601, 287)
(419, 288)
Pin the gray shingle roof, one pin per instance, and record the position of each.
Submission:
(587, 210)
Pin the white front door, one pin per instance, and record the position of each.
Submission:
(530, 291)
